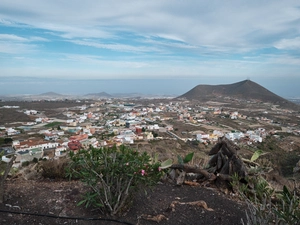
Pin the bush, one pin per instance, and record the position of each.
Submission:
(54, 169)
(284, 211)
(25, 163)
(35, 160)
(114, 175)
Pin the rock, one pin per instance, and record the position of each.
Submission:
(297, 167)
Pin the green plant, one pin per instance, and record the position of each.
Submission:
(237, 186)
(256, 155)
(25, 163)
(114, 175)
(262, 188)
(260, 213)
(288, 210)
(35, 160)
(284, 211)
(186, 159)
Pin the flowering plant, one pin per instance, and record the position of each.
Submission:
(114, 175)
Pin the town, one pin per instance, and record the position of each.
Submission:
(108, 122)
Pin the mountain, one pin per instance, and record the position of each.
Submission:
(98, 95)
(246, 90)
(53, 94)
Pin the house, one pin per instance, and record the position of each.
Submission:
(7, 151)
(202, 136)
(30, 112)
(85, 144)
(128, 140)
(11, 131)
(51, 137)
(148, 136)
(153, 127)
(39, 120)
(169, 127)
(218, 133)
(74, 145)
(29, 155)
(35, 143)
(255, 138)
(60, 150)
(79, 137)
(234, 135)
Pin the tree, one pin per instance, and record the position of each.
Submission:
(8, 140)
(154, 134)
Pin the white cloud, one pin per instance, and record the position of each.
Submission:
(16, 48)
(285, 60)
(231, 24)
(35, 38)
(293, 43)
(116, 46)
(13, 44)
(11, 37)
(104, 63)
(166, 38)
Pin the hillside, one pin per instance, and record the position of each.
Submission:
(98, 95)
(246, 90)
(55, 202)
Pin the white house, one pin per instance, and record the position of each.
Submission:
(12, 131)
(200, 137)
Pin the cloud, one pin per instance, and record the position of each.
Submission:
(12, 37)
(230, 24)
(195, 38)
(13, 44)
(15, 38)
(104, 63)
(16, 48)
(293, 43)
(117, 46)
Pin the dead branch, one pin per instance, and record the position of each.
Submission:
(189, 169)
(251, 163)
(199, 203)
(156, 218)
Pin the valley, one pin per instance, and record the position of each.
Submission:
(38, 130)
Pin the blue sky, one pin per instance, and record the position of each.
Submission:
(164, 47)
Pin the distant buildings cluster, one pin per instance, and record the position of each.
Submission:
(108, 123)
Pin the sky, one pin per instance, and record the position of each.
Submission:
(152, 47)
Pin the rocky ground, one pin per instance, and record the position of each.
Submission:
(47, 201)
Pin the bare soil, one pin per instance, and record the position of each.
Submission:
(49, 108)
(46, 200)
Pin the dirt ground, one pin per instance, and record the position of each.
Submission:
(46, 200)
(49, 108)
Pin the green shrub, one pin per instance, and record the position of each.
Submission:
(35, 160)
(114, 175)
(284, 211)
(25, 163)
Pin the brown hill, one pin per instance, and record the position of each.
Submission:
(246, 90)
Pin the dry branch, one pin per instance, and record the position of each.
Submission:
(189, 169)
(199, 203)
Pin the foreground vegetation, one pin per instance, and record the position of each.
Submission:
(114, 175)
